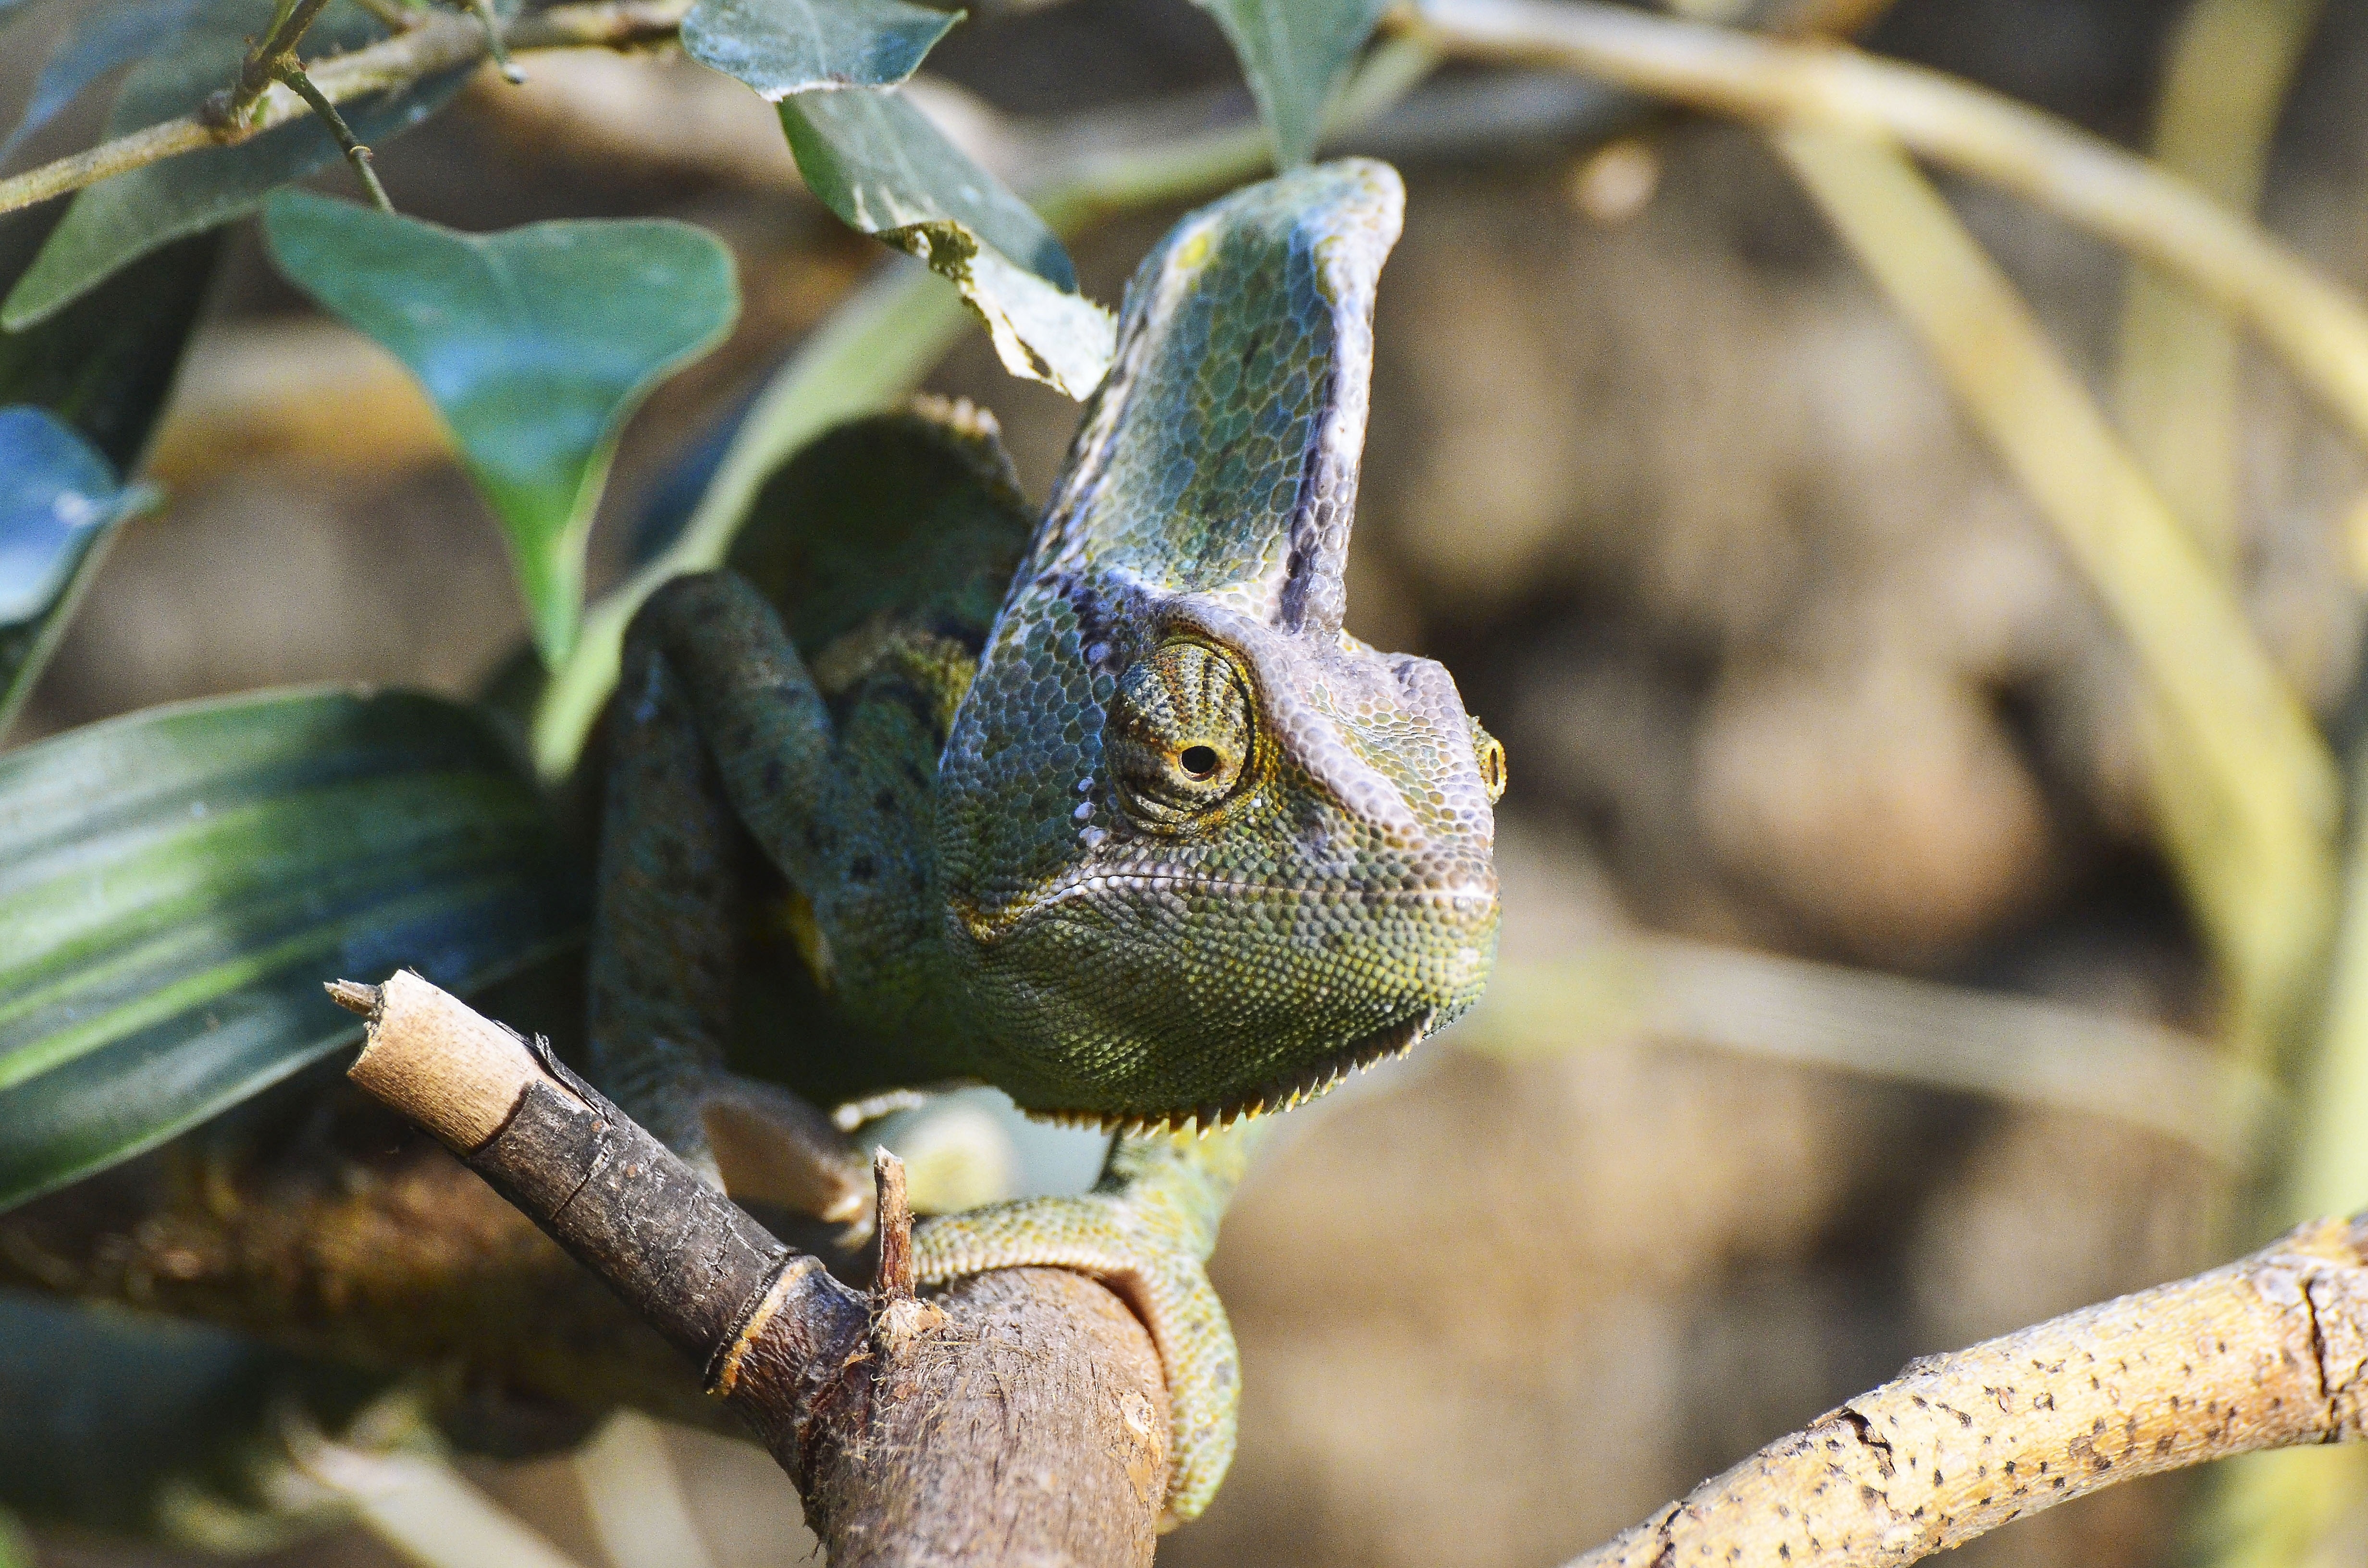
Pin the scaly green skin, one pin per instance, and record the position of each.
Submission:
(1157, 845)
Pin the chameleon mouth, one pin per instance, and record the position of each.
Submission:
(1297, 1087)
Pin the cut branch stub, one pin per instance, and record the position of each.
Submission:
(1025, 1409)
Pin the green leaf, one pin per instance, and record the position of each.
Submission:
(105, 363)
(113, 1418)
(183, 879)
(58, 504)
(120, 219)
(779, 47)
(1296, 53)
(535, 343)
(878, 164)
(107, 35)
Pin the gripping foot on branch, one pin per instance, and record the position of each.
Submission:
(1145, 1231)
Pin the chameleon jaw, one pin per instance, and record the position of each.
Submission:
(1281, 1094)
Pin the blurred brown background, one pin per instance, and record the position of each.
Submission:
(1783, 659)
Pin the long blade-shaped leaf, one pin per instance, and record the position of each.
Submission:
(176, 884)
(535, 343)
(59, 502)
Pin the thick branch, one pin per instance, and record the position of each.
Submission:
(2269, 1352)
(443, 43)
(1021, 1418)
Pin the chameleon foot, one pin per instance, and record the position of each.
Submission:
(761, 1143)
(1144, 1232)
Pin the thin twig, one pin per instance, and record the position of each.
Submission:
(348, 143)
(266, 60)
(443, 43)
(493, 26)
(2320, 329)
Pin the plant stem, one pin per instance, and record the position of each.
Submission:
(356, 153)
(440, 43)
(264, 62)
(493, 26)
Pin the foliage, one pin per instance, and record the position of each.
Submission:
(181, 879)
(59, 502)
(535, 343)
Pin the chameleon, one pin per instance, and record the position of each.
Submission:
(1107, 811)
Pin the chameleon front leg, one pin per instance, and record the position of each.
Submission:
(1146, 1231)
(665, 941)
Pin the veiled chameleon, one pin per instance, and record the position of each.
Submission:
(1148, 840)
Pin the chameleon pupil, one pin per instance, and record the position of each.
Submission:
(1199, 761)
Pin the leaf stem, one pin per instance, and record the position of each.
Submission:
(348, 143)
(265, 61)
(511, 70)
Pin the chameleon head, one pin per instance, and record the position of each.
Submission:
(1204, 851)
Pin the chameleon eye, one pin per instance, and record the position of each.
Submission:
(1179, 734)
(1489, 752)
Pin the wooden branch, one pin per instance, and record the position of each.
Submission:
(1021, 1417)
(2268, 1352)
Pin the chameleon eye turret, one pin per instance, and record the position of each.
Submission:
(1179, 736)
(1490, 753)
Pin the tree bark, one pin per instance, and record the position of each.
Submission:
(1022, 1417)
(2268, 1352)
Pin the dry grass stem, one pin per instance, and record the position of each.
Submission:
(2318, 328)
(2259, 858)
(1675, 991)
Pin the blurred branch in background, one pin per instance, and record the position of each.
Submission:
(411, 1499)
(1671, 991)
(634, 1497)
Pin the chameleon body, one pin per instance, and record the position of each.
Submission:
(1151, 843)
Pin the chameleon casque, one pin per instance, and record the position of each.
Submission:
(1154, 844)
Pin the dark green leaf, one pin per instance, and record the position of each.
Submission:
(878, 164)
(182, 880)
(120, 219)
(535, 343)
(107, 1420)
(1295, 54)
(108, 36)
(779, 47)
(58, 503)
(106, 362)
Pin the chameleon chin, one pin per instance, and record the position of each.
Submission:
(1151, 842)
